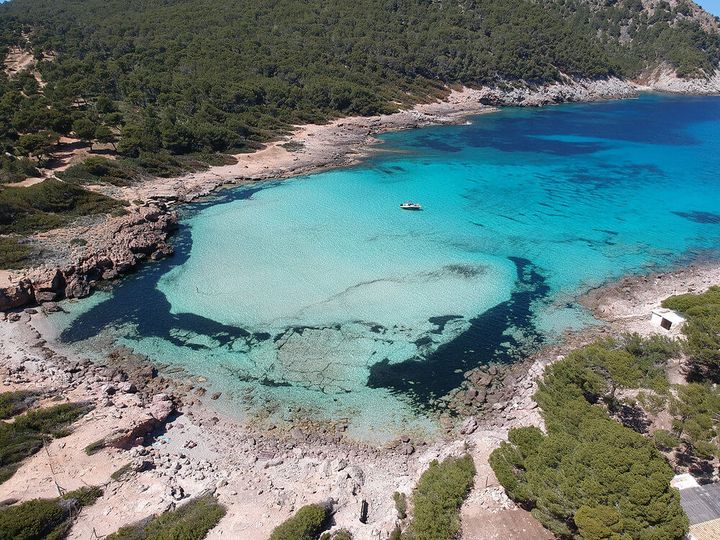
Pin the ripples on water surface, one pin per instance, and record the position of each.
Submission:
(320, 293)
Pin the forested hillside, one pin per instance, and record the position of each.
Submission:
(185, 76)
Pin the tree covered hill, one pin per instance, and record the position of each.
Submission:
(217, 75)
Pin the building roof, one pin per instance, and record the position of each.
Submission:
(672, 316)
(684, 481)
(701, 503)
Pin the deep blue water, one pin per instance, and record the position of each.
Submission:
(319, 292)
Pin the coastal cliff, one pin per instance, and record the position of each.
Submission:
(116, 246)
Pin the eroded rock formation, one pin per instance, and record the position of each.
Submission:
(122, 243)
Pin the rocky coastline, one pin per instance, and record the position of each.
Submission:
(155, 439)
(114, 246)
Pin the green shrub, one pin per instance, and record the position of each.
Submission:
(437, 499)
(400, 504)
(341, 534)
(594, 374)
(696, 418)
(191, 521)
(52, 420)
(48, 205)
(121, 472)
(590, 477)
(664, 440)
(702, 330)
(16, 169)
(306, 524)
(25, 435)
(97, 170)
(13, 254)
(12, 403)
(47, 519)
(95, 447)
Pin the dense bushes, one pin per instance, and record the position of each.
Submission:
(211, 75)
(437, 499)
(44, 519)
(702, 330)
(49, 204)
(595, 373)
(589, 475)
(15, 170)
(306, 524)
(97, 170)
(13, 403)
(13, 253)
(696, 419)
(192, 521)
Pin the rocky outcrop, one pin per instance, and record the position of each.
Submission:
(568, 90)
(121, 244)
(664, 79)
(48, 285)
(158, 413)
(16, 295)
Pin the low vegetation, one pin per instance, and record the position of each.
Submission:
(95, 447)
(400, 504)
(125, 171)
(340, 534)
(49, 204)
(191, 521)
(437, 499)
(45, 519)
(14, 403)
(123, 471)
(25, 435)
(13, 252)
(17, 169)
(696, 420)
(307, 524)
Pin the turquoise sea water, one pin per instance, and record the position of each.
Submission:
(320, 293)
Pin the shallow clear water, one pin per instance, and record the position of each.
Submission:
(320, 293)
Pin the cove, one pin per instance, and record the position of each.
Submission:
(318, 294)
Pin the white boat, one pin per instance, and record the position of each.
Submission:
(409, 205)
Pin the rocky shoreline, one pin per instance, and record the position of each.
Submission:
(113, 246)
(116, 246)
(166, 435)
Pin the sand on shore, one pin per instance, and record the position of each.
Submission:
(308, 148)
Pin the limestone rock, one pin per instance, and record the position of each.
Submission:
(49, 286)
(15, 295)
(469, 426)
(161, 407)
